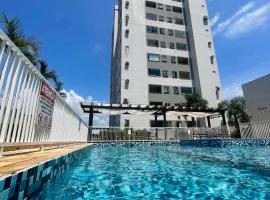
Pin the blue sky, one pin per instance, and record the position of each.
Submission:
(76, 41)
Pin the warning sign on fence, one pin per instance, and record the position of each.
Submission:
(45, 106)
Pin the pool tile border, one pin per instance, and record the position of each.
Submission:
(27, 183)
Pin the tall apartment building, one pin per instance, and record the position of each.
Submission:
(162, 50)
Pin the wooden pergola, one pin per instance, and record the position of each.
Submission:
(156, 110)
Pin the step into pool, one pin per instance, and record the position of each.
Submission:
(164, 172)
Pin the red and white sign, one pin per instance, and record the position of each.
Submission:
(45, 106)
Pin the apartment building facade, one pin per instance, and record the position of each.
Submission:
(161, 51)
(257, 97)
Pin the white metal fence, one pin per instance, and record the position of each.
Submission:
(160, 134)
(19, 96)
(255, 130)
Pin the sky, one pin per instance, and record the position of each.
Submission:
(76, 42)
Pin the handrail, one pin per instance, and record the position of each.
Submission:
(4, 37)
(20, 85)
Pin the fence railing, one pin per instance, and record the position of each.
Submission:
(20, 97)
(157, 134)
(255, 130)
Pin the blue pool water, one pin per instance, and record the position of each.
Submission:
(165, 172)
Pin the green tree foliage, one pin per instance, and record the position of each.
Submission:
(44, 70)
(195, 100)
(59, 86)
(236, 112)
(29, 46)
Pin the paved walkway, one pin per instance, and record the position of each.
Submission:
(12, 164)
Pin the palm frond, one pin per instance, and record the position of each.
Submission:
(52, 75)
(59, 86)
(12, 27)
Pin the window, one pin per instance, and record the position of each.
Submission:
(182, 61)
(160, 6)
(125, 101)
(126, 65)
(172, 45)
(126, 84)
(165, 74)
(184, 75)
(154, 72)
(150, 4)
(217, 92)
(186, 90)
(126, 123)
(180, 34)
(170, 32)
(173, 60)
(205, 20)
(152, 29)
(127, 33)
(210, 45)
(127, 50)
(153, 43)
(166, 90)
(180, 46)
(168, 8)
(153, 57)
(162, 44)
(155, 89)
(174, 74)
(163, 58)
(127, 5)
(127, 20)
(175, 90)
(212, 59)
(169, 19)
(152, 103)
(151, 16)
(162, 31)
(161, 18)
(178, 21)
(177, 9)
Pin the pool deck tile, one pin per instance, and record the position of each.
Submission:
(16, 163)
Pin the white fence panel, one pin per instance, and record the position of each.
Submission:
(20, 84)
(255, 130)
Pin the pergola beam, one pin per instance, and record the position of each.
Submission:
(86, 108)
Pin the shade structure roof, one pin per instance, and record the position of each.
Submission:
(134, 109)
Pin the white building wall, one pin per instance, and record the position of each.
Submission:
(257, 97)
(200, 35)
(137, 74)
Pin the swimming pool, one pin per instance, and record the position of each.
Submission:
(165, 172)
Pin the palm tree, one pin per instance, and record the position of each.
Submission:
(236, 113)
(59, 86)
(44, 70)
(29, 46)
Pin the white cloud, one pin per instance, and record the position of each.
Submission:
(74, 100)
(235, 80)
(249, 21)
(225, 24)
(232, 90)
(215, 19)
